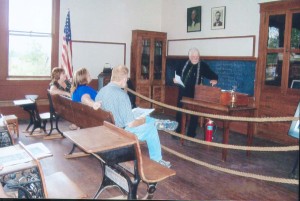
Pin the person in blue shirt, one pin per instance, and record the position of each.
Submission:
(81, 92)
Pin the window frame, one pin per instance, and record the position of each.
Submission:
(4, 40)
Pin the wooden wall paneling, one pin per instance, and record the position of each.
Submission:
(3, 39)
(14, 90)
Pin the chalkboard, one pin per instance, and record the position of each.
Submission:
(231, 73)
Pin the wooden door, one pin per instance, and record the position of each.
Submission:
(148, 61)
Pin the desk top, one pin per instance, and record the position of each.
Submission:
(13, 158)
(23, 102)
(97, 139)
(215, 106)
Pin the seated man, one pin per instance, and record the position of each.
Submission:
(114, 99)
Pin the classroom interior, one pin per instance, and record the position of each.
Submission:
(255, 51)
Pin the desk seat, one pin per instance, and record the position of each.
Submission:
(153, 172)
(60, 186)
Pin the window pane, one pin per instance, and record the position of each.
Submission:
(276, 31)
(145, 61)
(29, 56)
(30, 37)
(158, 60)
(273, 69)
(35, 18)
(295, 36)
(294, 71)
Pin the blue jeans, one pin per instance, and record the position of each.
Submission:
(148, 132)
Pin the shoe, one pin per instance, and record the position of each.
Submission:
(73, 127)
(166, 125)
(165, 163)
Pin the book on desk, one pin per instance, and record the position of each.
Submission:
(12, 155)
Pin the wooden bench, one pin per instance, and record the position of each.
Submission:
(84, 116)
(79, 114)
(139, 166)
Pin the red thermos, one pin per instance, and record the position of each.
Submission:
(209, 127)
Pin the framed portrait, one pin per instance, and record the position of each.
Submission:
(193, 19)
(218, 18)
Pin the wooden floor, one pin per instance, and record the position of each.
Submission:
(192, 181)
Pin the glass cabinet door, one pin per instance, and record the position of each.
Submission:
(275, 44)
(294, 61)
(282, 67)
(145, 59)
(158, 45)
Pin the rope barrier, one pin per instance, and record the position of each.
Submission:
(237, 147)
(213, 116)
(233, 172)
(228, 146)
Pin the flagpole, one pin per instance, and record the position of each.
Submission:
(66, 62)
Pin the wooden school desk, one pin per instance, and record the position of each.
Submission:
(217, 108)
(108, 145)
(121, 159)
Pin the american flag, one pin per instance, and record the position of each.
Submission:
(67, 48)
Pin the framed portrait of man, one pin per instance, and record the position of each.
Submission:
(193, 19)
(218, 18)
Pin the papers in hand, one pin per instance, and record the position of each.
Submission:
(141, 112)
(178, 80)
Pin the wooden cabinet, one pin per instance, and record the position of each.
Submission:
(278, 66)
(148, 65)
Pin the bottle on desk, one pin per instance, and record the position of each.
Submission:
(233, 97)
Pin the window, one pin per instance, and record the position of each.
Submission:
(30, 38)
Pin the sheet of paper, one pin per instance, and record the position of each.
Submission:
(178, 79)
(14, 157)
(141, 112)
(39, 150)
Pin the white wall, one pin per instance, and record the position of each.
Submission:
(108, 21)
(113, 21)
(242, 18)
